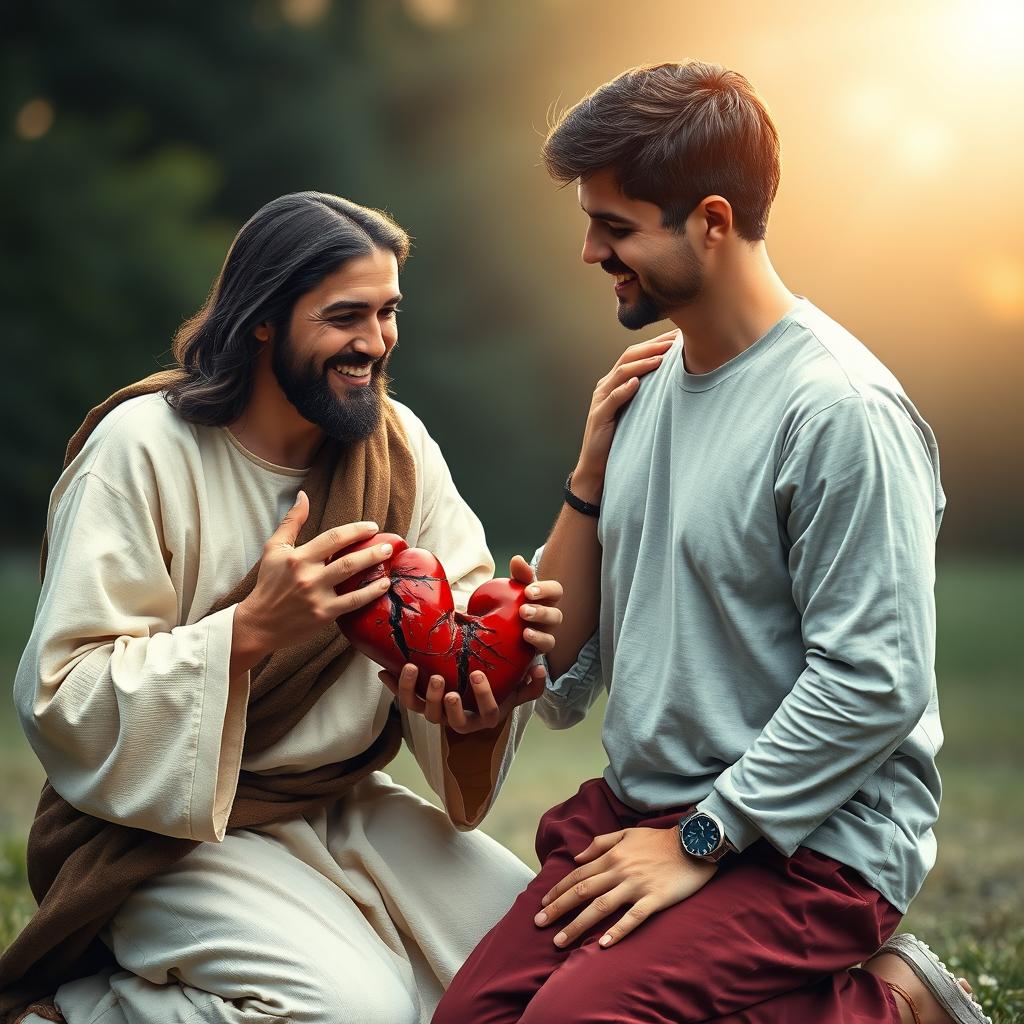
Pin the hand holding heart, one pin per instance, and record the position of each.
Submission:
(300, 589)
(438, 706)
(480, 657)
(294, 596)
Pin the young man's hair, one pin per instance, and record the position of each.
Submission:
(283, 251)
(674, 134)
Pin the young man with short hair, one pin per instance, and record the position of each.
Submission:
(214, 842)
(747, 551)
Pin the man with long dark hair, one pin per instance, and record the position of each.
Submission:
(214, 842)
(747, 550)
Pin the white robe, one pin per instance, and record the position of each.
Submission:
(362, 911)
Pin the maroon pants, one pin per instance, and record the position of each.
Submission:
(769, 940)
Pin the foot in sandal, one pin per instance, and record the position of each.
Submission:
(926, 992)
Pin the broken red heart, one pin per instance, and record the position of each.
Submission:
(415, 620)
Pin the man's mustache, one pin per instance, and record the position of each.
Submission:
(614, 266)
(357, 359)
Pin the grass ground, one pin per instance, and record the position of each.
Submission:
(972, 906)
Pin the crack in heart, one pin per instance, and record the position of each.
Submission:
(404, 624)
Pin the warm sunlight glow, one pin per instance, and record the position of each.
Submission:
(435, 13)
(991, 31)
(870, 108)
(925, 146)
(1000, 287)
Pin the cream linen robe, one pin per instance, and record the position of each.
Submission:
(361, 912)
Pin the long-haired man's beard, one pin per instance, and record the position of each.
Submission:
(668, 287)
(308, 387)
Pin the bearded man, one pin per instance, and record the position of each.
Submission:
(216, 841)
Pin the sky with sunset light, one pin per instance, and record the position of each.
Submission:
(900, 211)
(901, 206)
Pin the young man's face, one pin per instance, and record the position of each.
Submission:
(656, 269)
(330, 364)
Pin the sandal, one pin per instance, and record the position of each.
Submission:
(961, 1006)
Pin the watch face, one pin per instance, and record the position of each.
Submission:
(701, 835)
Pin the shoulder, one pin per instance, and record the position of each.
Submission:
(832, 376)
(434, 478)
(425, 449)
(134, 445)
(830, 364)
(414, 427)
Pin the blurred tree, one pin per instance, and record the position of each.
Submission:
(141, 137)
(138, 138)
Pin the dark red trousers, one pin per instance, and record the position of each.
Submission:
(769, 940)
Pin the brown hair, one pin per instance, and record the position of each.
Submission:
(674, 134)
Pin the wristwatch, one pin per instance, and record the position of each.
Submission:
(702, 835)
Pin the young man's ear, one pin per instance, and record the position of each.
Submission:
(715, 213)
(263, 332)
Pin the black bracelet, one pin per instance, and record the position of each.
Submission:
(586, 507)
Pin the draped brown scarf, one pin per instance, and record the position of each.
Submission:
(81, 868)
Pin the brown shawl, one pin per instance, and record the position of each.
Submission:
(81, 868)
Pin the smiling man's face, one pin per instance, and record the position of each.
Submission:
(655, 268)
(330, 364)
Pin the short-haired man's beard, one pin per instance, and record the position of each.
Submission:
(668, 288)
(308, 387)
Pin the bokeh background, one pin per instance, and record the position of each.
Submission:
(135, 139)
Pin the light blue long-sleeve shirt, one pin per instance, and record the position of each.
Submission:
(767, 622)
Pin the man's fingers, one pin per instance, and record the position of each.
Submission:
(571, 881)
(346, 566)
(631, 920)
(540, 614)
(407, 695)
(456, 713)
(542, 642)
(287, 533)
(624, 373)
(325, 544)
(642, 349)
(433, 710)
(519, 569)
(357, 598)
(486, 705)
(545, 590)
(603, 905)
(599, 845)
(532, 686)
(636, 369)
(618, 397)
(584, 888)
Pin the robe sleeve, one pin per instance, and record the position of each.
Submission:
(132, 715)
(466, 772)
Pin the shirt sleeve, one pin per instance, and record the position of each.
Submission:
(567, 699)
(466, 772)
(132, 715)
(859, 501)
